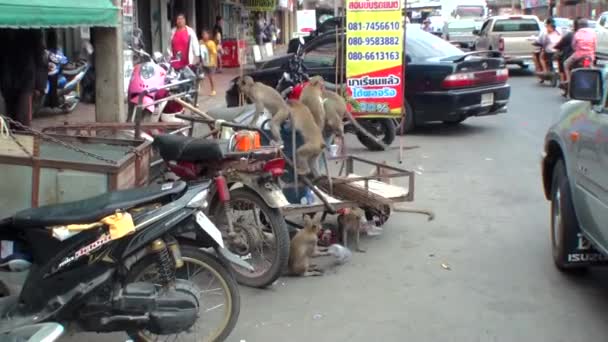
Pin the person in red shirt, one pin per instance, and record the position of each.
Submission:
(184, 40)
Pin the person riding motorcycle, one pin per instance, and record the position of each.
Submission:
(547, 41)
(583, 44)
(564, 46)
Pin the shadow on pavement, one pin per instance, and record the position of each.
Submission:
(444, 130)
(519, 72)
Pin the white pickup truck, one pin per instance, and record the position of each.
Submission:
(602, 36)
(511, 35)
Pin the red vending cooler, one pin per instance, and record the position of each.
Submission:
(232, 50)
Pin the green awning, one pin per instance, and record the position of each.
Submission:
(57, 13)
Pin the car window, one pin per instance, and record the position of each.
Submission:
(422, 45)
(321, 56)
(516, 25)
(484, 28)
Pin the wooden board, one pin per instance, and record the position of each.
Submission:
(9, 148)
(380, 188)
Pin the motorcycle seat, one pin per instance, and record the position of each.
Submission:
(230, 114)
(93, 209)
(175, 147)
(73, 71)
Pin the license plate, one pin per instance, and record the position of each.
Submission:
(209, 228)
(487, 99)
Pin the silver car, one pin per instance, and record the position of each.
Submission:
(575, 174)
(460, 32)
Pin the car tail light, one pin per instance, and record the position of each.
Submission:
(184, 170)
(459, 81)
(276, 167)
(502, 75)
(501, 44)
(472, 79)
(222, 188)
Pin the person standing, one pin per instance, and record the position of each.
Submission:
(258, 30)
(218, 35)
(211, 62)
(184, 40)
(272, 32)
(426, 25)
(23, 71)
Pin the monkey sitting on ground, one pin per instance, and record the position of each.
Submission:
(262, 96)
(307, 155)
(303, 247)
(350, 222)
(381, 172)
(312, 97)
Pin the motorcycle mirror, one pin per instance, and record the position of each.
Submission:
(157, 57)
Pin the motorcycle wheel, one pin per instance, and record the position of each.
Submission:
(195, 260)
(265, 228)
(384, 128)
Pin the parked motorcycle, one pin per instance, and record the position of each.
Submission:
(249, 214)
(121, 262)
(69, 76)
(42, 332)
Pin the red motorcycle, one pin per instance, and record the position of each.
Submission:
(249, 213)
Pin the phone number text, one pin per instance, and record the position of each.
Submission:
(373, 41)
(374, 26)
(373, 56)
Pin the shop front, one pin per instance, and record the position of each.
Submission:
(102, 16)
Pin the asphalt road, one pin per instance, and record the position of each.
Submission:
(482, 179)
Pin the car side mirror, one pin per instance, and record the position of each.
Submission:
(587, 85)
(476, 32)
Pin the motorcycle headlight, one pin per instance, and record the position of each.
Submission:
(200, 200)
(147, 71)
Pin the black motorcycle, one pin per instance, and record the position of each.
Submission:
(120, 262)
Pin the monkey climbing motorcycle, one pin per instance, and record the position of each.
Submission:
(374, 49)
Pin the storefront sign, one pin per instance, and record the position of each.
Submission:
(127, 8)
(306, 21)
(260, 5)
(374, 49)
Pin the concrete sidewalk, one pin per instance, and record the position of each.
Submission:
(85, 112)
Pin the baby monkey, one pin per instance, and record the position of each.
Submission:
(262, 96)
(350, 222)
(303, 247)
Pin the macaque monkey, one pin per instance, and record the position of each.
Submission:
(312, 98)
(381, 172)
(262, 96)
(307, 155)
(351, 223)
(303, 247)
(334, 110)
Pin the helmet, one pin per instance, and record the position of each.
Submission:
(583, 23)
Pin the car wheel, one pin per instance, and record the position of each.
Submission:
(564, 224)
(410, 121)
(381, 127)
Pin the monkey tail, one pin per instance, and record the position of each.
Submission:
(363, 131)
(429, 213)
